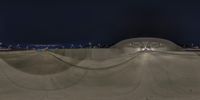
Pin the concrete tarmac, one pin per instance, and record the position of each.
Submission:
(148, 75)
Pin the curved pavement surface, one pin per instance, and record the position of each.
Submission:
(149, 76)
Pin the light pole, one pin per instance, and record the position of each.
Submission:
(80, 46)
(90, 45)
(72, 46)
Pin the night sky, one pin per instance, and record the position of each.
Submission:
(103, 22)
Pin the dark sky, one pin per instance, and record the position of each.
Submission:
(104, 22)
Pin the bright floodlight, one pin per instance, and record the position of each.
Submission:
(146, 49)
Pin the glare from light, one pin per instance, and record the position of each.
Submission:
(145, 49)
(138, 49)
(153, 49)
